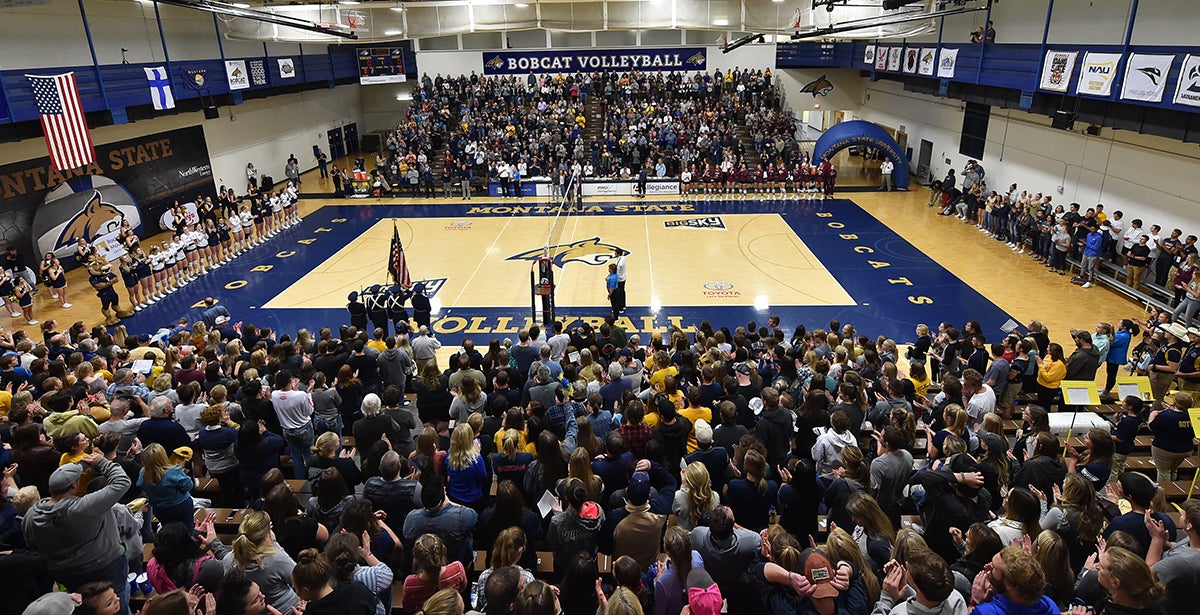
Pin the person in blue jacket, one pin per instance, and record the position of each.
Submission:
(1118, 353)
(167, 487)
(1018, 583)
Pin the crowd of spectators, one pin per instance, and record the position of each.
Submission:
(1147, 260)
(718, 448)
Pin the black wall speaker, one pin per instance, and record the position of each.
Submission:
(210, 113)
(1063, 120)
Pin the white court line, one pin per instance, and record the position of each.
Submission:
(487, 254)
(649, 262)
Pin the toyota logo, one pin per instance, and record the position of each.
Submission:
(718, 285)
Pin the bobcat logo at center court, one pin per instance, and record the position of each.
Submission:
(587, 251)
(818, 87)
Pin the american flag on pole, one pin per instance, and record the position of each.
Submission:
(63, 121)
(397, 265)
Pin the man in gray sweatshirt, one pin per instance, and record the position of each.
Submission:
(924, 585)
(78, 536)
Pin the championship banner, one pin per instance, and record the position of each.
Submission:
(1188, 90)
(869, 55)
(894, 58)
(928, 61)
(287, 68)
(136, 180)
(1057, 69)
(881, 58)
(1146, 77)
(570, 61)
(910, 59)
(235, 71)
(1096, 76)
(945, 68)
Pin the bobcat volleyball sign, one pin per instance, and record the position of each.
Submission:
(135, 180)
(554, 61)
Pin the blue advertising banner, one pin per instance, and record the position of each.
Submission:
(555, 61)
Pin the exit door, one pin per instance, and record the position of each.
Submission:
(337, 147)
(350, 133)
(924, 157)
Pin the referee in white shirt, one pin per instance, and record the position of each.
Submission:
(620, 256)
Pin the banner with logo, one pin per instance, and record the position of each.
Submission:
(1097, 74)
(1057, 69)
(287, 68)
(869, 55)
(235, 72)
(136, 180)
(910, 59)
(569, 61)
(894, 58)
(881, 58)
(928, 61)
(1146, 77)
(946, 63)
(1188, 90)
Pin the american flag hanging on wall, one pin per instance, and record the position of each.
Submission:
(61, 110)
(397, 264)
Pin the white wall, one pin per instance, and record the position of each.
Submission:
(1146, 177)
(846, 94)
(262, 131)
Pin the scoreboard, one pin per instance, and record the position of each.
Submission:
(380, 65)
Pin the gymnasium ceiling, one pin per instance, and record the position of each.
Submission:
(393, 21)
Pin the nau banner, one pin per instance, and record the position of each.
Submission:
(1146, 77)
(1188, 90)
(1099, 70)
(133, 180)
(570, 61)
(1057, 69)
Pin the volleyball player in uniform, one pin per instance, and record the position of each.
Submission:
(145, 275)
(158, 265)
(276, 214)
(294, 198)
(686, 178)
(129, 277)
(24, 295)
(247, 219)
(6, 293)
(196, 258)
(225, 240)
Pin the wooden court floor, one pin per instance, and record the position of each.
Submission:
(1014, 283)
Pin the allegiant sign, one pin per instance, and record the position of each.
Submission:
(660, 59)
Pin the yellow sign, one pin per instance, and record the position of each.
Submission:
(1080, 393)
(1137, 386)
(1194, 414)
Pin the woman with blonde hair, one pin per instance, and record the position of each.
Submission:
(956, 425)
(511, 461)
(444, 602)
(579, 465)
(1051, 552)
(328, 453)
(167, 487)
(431, 572)
(507, 550)
(163, 388)
(623, 602)
(1131, 585)
(872, 530)
(427, 444)
(1075, 515)
(468, 474)
(841, 546)
(259, 556)
(695, 498)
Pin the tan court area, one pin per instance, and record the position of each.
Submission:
(756, 255)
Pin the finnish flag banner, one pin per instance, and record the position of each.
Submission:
(160, 88)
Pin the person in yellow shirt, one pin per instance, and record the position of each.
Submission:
(1051, 370)
(692, 412)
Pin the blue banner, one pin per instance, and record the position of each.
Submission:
(591, 60)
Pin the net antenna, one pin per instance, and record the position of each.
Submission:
(541, 272)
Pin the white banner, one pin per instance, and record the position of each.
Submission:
(235, 71)
(1188, 90)
(945, 69)
(881, 58)
(627, 188)
(928, 61)
(894, 58)
(1057, 69)
(287, 68)
(1146, 77)
(910, 59)
(869, 55)
(1097, 74)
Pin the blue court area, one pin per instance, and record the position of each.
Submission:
(729, 262)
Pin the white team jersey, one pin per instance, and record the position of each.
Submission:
(156, 262)
(235, 225)
(176, 251)
(201, 239)
(188, 240)
(276, 206)
(247, 219)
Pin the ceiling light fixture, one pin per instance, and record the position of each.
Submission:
(392, 32)
(522, 5)
(721, 22)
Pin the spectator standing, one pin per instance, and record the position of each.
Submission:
(294, 409)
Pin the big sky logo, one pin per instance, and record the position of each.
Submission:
(587, 251)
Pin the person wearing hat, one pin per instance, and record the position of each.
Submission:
(101, 277)
(1166, 360)
(358, 312)
(636, 531)
(1173, 435)
(703, 595)
(421, 306)
(714, 458)
(1187, 376)
(376, 299)
(78, 536)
